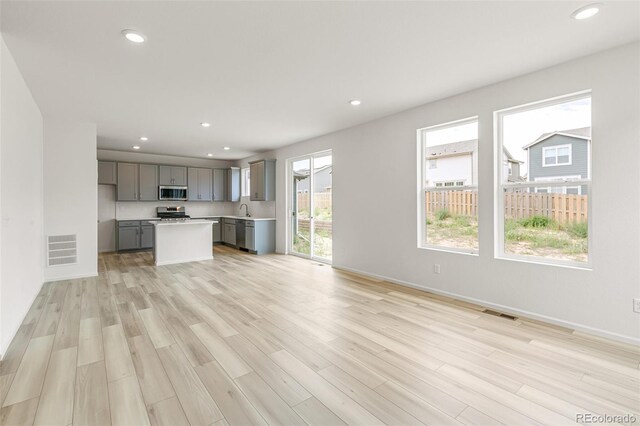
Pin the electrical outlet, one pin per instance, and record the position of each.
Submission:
(636, 305)
(436, 268)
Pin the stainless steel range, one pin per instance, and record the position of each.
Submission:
(172, 214)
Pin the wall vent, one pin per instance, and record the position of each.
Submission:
(62, 250)
(500, 314)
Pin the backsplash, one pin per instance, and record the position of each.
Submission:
(147, 210)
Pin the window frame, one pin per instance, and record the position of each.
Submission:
(500, 186)
(556, 148)
(422, 168)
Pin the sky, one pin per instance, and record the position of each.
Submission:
(522, 128)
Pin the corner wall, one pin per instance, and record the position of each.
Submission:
(21, 191)
(375, 200)
(71, 193)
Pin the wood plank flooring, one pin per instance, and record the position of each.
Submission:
(254, 340)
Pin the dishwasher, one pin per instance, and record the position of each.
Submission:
(240, 234)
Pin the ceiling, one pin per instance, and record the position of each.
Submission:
(267, 74)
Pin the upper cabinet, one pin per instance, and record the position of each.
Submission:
(148, 182)
(263, 180)
(173, 175)
(127, 182)
(200, 184)
(107, 174)
(219, 184)
(137, 182)
(233, 184)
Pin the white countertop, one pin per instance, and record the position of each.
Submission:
(183, 222)
(155, 219)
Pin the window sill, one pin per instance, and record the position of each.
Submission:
(546, 262)
(467, 252)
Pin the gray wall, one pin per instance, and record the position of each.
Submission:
(579, 158)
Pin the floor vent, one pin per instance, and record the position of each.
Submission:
(500, 314)
(62, 250)
(320, 264)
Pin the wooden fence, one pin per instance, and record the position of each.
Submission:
(563, 208)
(322, 200)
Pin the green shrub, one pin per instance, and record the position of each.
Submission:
(580, 230)
(443, 214)
(536, 222)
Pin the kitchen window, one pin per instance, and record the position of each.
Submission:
(246, 182)
(448, 193)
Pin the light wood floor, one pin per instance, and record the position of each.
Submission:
(279, 340)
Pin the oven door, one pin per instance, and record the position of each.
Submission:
(172, 193)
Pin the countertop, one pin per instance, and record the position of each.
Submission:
(183, 222)
(147, 219)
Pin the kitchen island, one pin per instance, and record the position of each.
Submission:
(182, 241)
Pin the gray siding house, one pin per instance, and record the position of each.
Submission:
(560, 156)
(321, 179)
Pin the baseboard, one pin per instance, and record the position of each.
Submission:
(71, 277)
(503, 308)
(13, 335)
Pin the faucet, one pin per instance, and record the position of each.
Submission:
(247, 214)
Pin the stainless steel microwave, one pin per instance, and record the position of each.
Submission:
(172, 193)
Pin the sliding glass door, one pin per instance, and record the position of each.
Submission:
(310, 219)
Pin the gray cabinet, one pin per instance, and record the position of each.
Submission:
(233, 184)
(148, 182)
(135, 235)
(200, 182)
(128, 237)
(219, 184)
(127, 182)
(229, 231)
(107, 174)
(173, 175)
(263, 180)
(146, 236)
(137, 182)
(217, 230)
(260, 236)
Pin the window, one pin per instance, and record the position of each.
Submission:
(544, 216)
(246, 183)
(448, 192)
(556, 155)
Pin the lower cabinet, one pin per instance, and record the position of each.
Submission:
(146, 236)
(134, 235)
(260, 236)
(217, 230)
(229, 232)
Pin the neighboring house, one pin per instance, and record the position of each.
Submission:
(560, 156)
(321, 179)
(452, 164)
(456, 164)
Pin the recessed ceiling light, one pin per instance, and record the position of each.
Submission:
(136, 147)
(586, 11)
(134, 36)
(205, 124)
(226, 148)
(144, 138)
(355, 102)
(209, 155)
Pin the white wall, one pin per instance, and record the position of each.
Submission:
(71, 193)
(375, 176)
(147, 209)
(21, 189)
